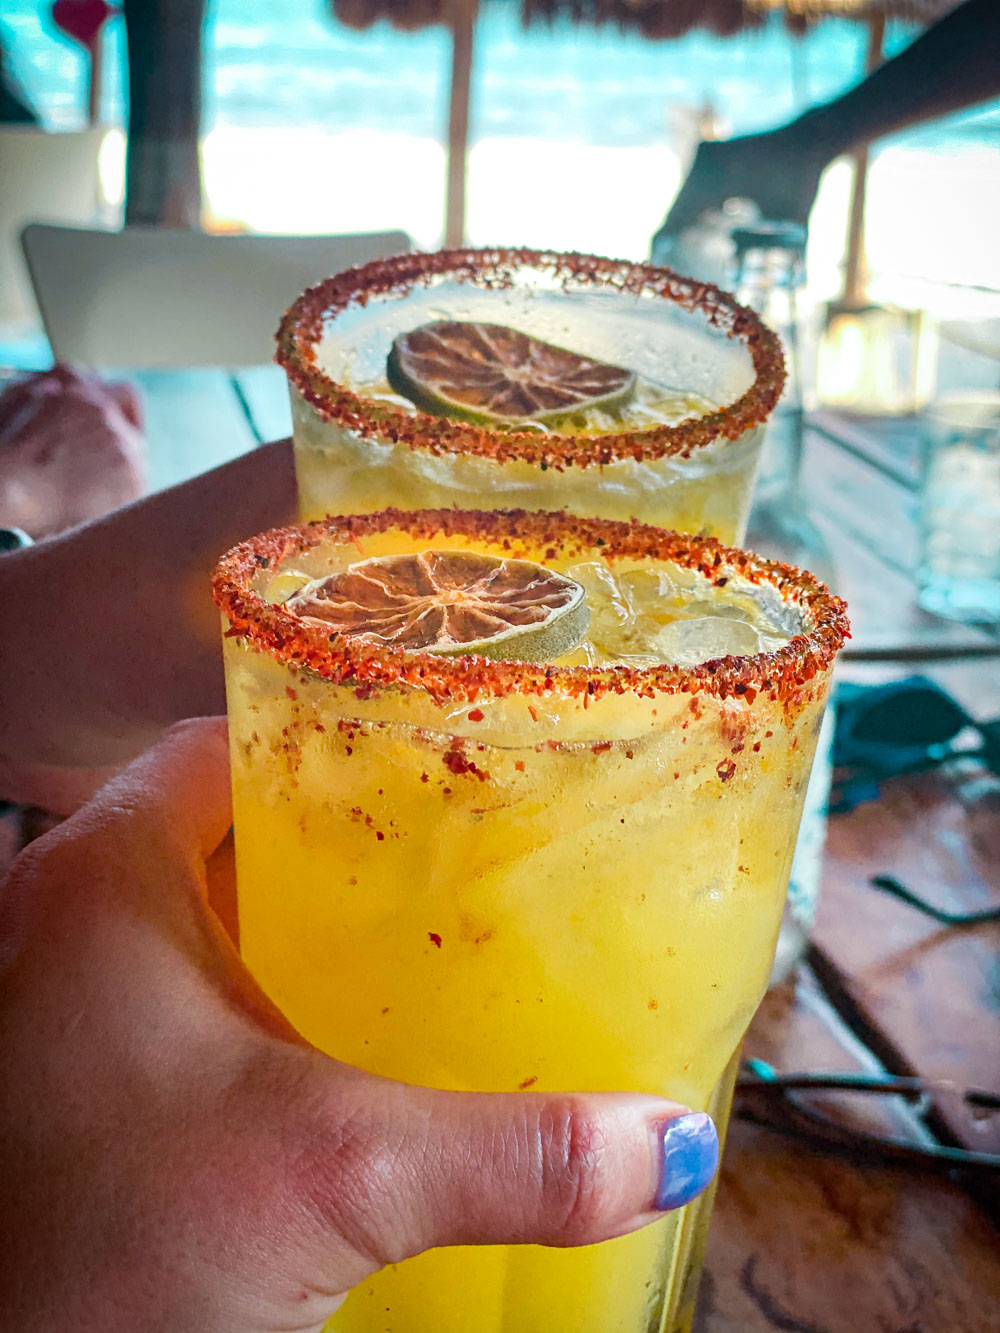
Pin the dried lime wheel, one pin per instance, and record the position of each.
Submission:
(451, 602)
(492, 375)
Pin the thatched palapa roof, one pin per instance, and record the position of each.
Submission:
(656, 19)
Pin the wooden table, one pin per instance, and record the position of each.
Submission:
(803, 1241)
(810, 1243)
(199, 419)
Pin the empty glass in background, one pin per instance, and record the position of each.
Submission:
(959, 572)
(768, 276)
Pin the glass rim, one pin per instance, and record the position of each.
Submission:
(301, 329)
(783, 674)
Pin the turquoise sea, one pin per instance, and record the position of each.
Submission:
(579, 137)
(280, 63)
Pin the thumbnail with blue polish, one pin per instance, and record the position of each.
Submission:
(690, 1157)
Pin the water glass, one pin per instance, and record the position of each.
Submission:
(959, 573)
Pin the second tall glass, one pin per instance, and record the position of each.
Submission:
(680, 451)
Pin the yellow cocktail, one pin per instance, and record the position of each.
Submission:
(480, 874)
(676, 445)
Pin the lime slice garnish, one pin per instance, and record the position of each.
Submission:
(492, 375)
(451, 602)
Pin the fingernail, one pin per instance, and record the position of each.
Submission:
(690, 1156)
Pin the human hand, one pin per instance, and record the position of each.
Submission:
(779, 171)
(72, 450)
(175, 1157)
(114, 634)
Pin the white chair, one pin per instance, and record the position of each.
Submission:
(51, 177)
(148, 296)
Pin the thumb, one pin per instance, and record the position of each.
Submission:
(458, 1168)
(180, 785)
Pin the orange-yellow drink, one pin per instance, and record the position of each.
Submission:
(562, 870)
(489, 379)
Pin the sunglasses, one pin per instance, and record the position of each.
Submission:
(908, 726)
(836, 1112)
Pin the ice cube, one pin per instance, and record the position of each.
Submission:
(770, 643)
(685, 643)
(285, 584)
(609, 610)
(597, 579)
(650, 590)
(716, 608)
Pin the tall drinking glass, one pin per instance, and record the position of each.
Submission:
(413, 384)
(959, 572)
(555, 875)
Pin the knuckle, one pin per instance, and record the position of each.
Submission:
(575, 1162)
(34, 859)
(183, 732)
(343, 1172)
(55, 856)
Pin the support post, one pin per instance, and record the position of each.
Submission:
(855, 276)
(462, 23)
(163, 168)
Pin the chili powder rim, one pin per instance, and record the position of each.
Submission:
(301, 329)
(783, 674)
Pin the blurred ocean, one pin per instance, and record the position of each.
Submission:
(579, 136)
(273, 63)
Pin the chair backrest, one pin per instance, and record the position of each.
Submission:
(148, 296)
(51, 177)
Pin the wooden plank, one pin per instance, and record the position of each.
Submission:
(968, 359)
(807, 1244)
(797, 1030)
(891, 445)
(803, 1242)
(882, 602)
(264, 390)
(929, 991)
(870, 522)
(862, 500)
(194, 421)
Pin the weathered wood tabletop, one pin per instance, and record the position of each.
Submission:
(804, 1241)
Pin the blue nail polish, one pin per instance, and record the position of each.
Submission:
(690, 1156)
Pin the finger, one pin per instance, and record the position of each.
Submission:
(174, 798)
(128, 401)
(417, 1168)
(181, 784)
(172, 804)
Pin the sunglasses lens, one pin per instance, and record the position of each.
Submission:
(902, 720)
